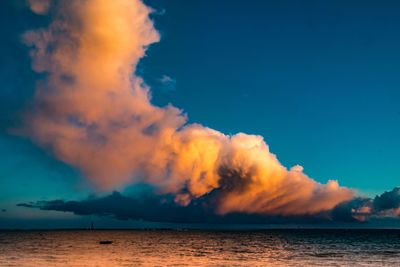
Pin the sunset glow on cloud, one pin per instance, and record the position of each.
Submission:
(94, 113)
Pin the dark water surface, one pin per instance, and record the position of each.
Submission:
(200, 248)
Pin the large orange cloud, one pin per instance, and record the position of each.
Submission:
(94, 113)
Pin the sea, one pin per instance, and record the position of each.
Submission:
(279, 247)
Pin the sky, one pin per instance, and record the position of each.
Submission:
(318, 80)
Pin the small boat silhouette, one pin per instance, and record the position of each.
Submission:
(105, 242)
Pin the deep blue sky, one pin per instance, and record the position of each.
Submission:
(318, 79)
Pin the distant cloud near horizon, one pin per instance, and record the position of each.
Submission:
(385, 205)
(162, 208)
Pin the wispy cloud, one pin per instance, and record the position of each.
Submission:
(168, 83)
(40, 7)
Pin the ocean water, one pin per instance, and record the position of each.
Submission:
(200, 248)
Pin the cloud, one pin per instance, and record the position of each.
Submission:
(146, 207)
(169, 84)
(388, 202)
(40, 7)
(162, 208)
(352, 210)
(385, 205)
(92, 112)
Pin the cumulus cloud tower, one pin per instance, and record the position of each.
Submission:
(95, 114)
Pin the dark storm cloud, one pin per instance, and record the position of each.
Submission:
(154, 208)
(360, 209)
(149, 208)
(350, 211)
(388, 200)
(162, 208)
